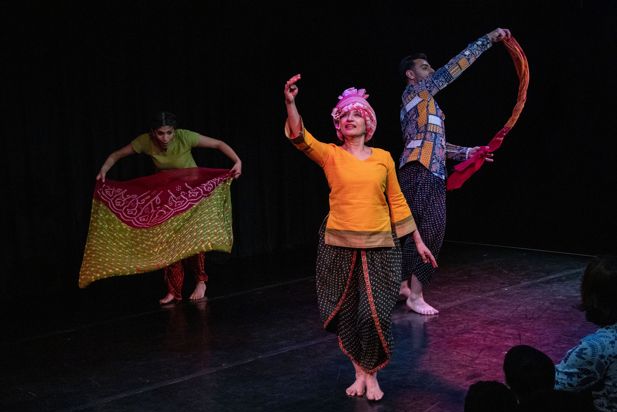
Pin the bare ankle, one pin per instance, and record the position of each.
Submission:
(373, 391)
(167, 299)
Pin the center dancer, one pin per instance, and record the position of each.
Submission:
(358, 271)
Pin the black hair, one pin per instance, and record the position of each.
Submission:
(599, 290)
(489, 396)
(161, 119)
(528, 371)
(407, 63)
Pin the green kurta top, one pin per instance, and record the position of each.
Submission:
(178, 154)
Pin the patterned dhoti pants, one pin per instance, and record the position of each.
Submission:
(357, 290)
(426, 195)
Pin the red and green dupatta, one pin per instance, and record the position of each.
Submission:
(464, 170)
(145, 224)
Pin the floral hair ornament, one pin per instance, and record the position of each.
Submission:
(354, 99)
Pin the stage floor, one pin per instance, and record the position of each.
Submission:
(256, 343)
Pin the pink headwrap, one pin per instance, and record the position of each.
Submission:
(353, 99)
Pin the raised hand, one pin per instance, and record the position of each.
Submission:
(291, 90)
(499, 34)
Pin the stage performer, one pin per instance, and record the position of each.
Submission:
(358, 257)
(422, 166)
(170, 148)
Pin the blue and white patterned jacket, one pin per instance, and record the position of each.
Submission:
(592, 364)
(422, 121)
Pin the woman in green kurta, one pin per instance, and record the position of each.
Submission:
(170, 148)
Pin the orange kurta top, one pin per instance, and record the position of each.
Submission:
(366, 202)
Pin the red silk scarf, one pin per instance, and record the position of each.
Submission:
(466, 169)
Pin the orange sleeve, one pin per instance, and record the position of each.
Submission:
(403, 222)
(317, 151)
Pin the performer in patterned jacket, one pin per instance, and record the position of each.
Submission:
(422, 173)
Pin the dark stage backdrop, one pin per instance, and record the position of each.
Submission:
(80, 79)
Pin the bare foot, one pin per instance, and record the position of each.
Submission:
(168, 298)
(404, 291)
(373, 391)
(415, 300)
(199, 292)
(358, 387)
(418, 305)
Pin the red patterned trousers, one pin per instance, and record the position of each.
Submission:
(174, 273)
